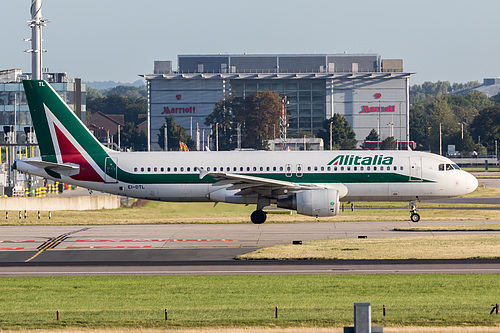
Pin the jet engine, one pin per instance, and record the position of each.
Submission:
(319, 203)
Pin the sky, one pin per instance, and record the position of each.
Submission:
(101, 40)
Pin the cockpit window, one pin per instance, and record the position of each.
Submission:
(448, 167)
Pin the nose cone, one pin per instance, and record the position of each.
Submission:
(471, 183)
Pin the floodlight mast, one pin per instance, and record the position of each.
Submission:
(283, 124)
(36, 25)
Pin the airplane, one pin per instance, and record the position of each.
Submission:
(311, 182)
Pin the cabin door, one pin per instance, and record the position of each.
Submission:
(111, 170)
(415, 168)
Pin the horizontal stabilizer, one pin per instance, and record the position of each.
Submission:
(63, 169)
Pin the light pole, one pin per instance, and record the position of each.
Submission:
(216, 136)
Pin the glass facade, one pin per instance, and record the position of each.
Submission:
(306, 99)
(14, 108)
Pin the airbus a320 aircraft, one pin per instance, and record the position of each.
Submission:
(310, 182)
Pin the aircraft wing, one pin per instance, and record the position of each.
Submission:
(264, 186)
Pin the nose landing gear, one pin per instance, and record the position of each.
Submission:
(414, 217)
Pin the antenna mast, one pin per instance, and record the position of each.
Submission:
(36, 25)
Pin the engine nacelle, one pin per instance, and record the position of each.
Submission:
(319, 203)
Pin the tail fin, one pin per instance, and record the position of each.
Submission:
(62, 137)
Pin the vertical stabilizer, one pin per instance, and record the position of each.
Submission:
(61, 135)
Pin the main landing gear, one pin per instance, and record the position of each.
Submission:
(258, 217)
(414, 217)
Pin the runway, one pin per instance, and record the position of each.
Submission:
(204, 249)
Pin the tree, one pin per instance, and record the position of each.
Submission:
(130, 107)
(175, 135)
(131, 138)
(486, 127)
(389, 143)
(223, 117)
(257, 114)
(343, 137)
(372, 136)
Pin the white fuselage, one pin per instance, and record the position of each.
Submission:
(367, 175)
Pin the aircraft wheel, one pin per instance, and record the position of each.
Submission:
(258, 217)
(415, 217)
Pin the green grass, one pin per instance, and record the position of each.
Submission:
(439, 247)
(154, 212)
(236, 301)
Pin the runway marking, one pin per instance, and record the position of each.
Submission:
(17, 241)
(156, 240)
(53, 242)
(110, 247)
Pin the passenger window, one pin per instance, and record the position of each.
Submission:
(175, 169)
(274, 168)
(234, 169)
(341, 168)
(241, 168)
(322, 168)
(381, 168)
(208, 168)
(334, 168)
(368, 168)
(142, 169)
(348, 168)
(135, 169)
(401, 168)
(182, 169)
(395, 168)
(281, 168)
(162, 169)
(155, 169)
(261, 168)
(328, 168)
(308, 168)
(168, 169)
(355, 168)
(248, 168)
(149, 169)
(374, 168)
(361, 168)
(254, 168)
(188, 169)
(267, 169)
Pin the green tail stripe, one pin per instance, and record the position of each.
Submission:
(38, 93)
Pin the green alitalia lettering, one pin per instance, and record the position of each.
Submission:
(360, 160)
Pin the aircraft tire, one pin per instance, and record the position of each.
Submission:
(415, 217)
(258, 217)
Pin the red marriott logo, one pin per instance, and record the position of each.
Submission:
(167, 110)
(368, 109)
